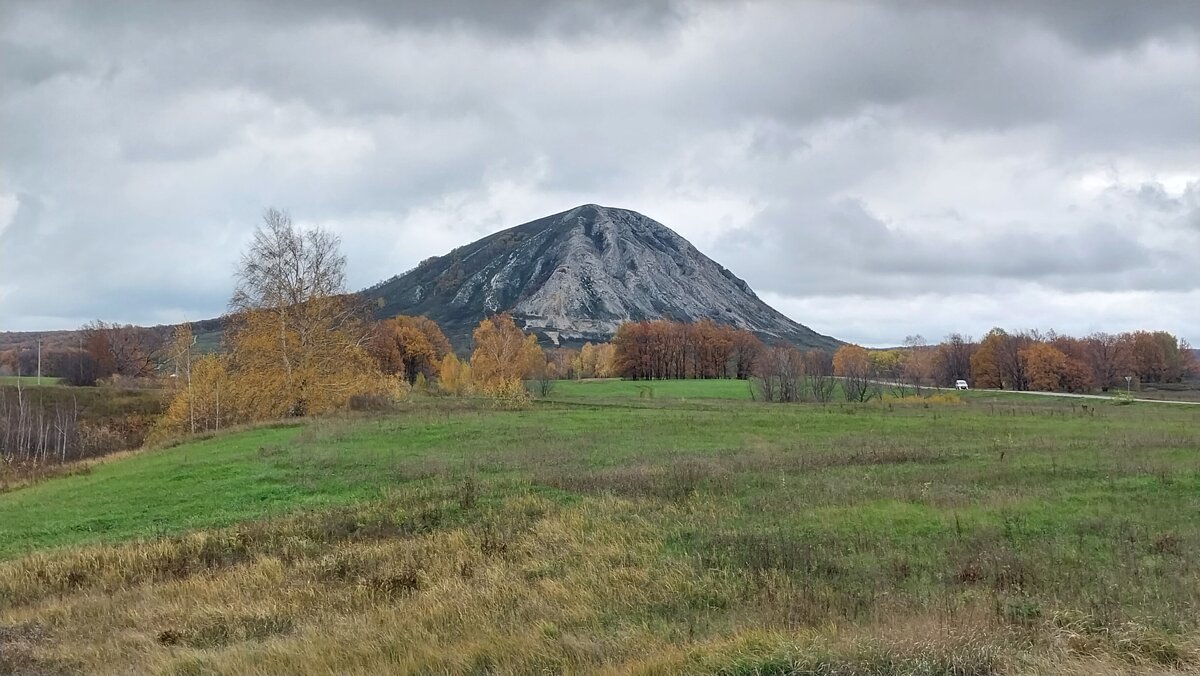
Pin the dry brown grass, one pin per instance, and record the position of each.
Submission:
(525, 586)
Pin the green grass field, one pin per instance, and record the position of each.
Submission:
(691, 531)
(28, 381)
(625, 390)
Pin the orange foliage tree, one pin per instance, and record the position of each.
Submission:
(852, 363)
(985, 367)
(666, 349)
(409, 346)
(1049, 369)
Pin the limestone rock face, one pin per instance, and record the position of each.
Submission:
(575, 276)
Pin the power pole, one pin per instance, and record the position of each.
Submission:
(39, 380)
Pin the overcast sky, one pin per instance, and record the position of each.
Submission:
(873, 170)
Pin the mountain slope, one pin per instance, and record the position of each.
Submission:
(576, 276)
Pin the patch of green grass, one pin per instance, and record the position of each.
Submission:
(613, 388)
(30, 381)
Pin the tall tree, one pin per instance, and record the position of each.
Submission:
(296, 338)
(1107, 359)
(952, 360)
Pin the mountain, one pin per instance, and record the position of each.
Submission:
(575, 276)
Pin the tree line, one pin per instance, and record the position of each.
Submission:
(101, 351)
(1052, 362)
(665, 349)
(297, 343)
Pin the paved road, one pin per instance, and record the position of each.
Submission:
(1102, 397)
(1093, 396)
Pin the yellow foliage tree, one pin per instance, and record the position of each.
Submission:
(454, 377)
(503, 355)
(296, 339)
(595, 361)
(207, 403)
(325, 367)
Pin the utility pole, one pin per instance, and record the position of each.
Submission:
(39, 380)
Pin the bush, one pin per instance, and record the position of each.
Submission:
(79, 369)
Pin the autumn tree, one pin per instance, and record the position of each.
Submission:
(952, 360)
(1049, 369)
(632, 351)
(602, 361)
(889, 365)
(779, 375)
(504, 356)
(409, 347)
(1044, 365)
(1189, 360)
(1107, 358)
(746, 351)
(852, 364)
(179, 359)
(1007, 350)
(566, 362)
(712, 346)
(121, 349)
(595, 361)
(1176, 355)
(818, 375)
(917, 368)
(985, 374)
(454, 376)
(297, 340)
(211, 401)
(667, 349)
(179, 353)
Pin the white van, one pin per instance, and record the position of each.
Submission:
(960, 385)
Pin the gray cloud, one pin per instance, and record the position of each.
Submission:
(822, 150)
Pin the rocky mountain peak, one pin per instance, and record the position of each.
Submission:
(576, 275)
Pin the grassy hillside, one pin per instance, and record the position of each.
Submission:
(690, 532)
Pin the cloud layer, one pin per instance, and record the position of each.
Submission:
(873, 170)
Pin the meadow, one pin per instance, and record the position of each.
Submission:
(622, 527)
